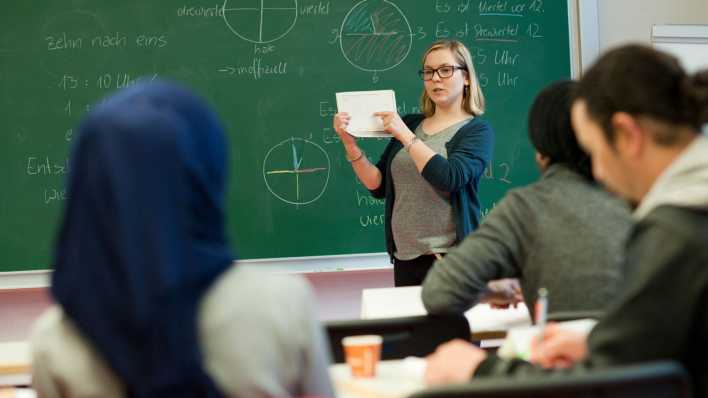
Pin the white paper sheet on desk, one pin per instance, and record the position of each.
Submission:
(396, 378)
(25, 393)
(406, 301)
(391, 302)
(518, 340)
(15, 360)
(483, 318)
(361, 106)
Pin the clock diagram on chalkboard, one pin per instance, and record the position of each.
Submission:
(296, 171)
(375, 36)
(260, 21)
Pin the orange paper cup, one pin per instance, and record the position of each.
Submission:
(362, 353)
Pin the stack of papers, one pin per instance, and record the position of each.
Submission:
(361, 106)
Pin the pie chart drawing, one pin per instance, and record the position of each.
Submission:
(260, 21)
(375, 36)
(296, 171)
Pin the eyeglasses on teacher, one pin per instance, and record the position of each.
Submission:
(444, 72)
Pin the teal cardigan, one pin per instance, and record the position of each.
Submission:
(468, 153)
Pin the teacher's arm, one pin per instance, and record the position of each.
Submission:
(466, 160)
(368, 174)
(417, 150)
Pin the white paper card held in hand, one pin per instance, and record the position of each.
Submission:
(361, 106)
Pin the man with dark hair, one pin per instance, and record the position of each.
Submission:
(639, 116)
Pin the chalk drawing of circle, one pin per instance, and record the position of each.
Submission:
(375, 36)
(260, 21)
(296, 171)
(67, 43)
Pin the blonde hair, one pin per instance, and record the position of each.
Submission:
(473, 98)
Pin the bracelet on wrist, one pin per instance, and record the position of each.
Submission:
(352, 160)
(407, 146)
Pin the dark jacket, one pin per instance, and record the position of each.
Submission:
(661, 313)
(468, 153)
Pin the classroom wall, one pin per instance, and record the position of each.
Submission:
(631, 20)
(18, 309)
(338, 293)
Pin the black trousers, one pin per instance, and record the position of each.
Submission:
(412, 272)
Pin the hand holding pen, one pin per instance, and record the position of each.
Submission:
(555, 347)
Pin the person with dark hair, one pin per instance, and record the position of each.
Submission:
(640, 116)
(429, 173)
(563, 232)
(149, 303)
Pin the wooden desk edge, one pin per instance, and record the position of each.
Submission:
(488, 335)
(15, 369)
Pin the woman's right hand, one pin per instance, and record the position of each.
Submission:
(340, 123)
(367, 173)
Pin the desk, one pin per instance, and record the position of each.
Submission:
(486, 323)
(394, 379)
(15, 364)
(10, 392)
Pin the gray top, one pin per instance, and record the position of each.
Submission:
(561, 233)
(423, 221)
(257, 331)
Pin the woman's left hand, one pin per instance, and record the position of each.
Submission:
(393, 124)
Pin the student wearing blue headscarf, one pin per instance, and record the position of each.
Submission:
(148, 301)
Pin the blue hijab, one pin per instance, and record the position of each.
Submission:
(143, 235)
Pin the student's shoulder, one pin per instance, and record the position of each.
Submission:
(561, 181)
(680, 225)
(54, 329)
(669, 242)
(61, 350)
(260, 299)
(242, 283)
(47, 322)
(554, 190)
(520, 202)
(46, 331)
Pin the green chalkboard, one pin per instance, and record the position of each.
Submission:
(270, 68)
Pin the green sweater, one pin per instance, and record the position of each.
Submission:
(561, 232)
(662, 311)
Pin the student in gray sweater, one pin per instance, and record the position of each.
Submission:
(563, 232)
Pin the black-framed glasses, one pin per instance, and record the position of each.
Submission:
(444, 72)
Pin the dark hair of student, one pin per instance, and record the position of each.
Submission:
(642, 81)
(550, 129)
